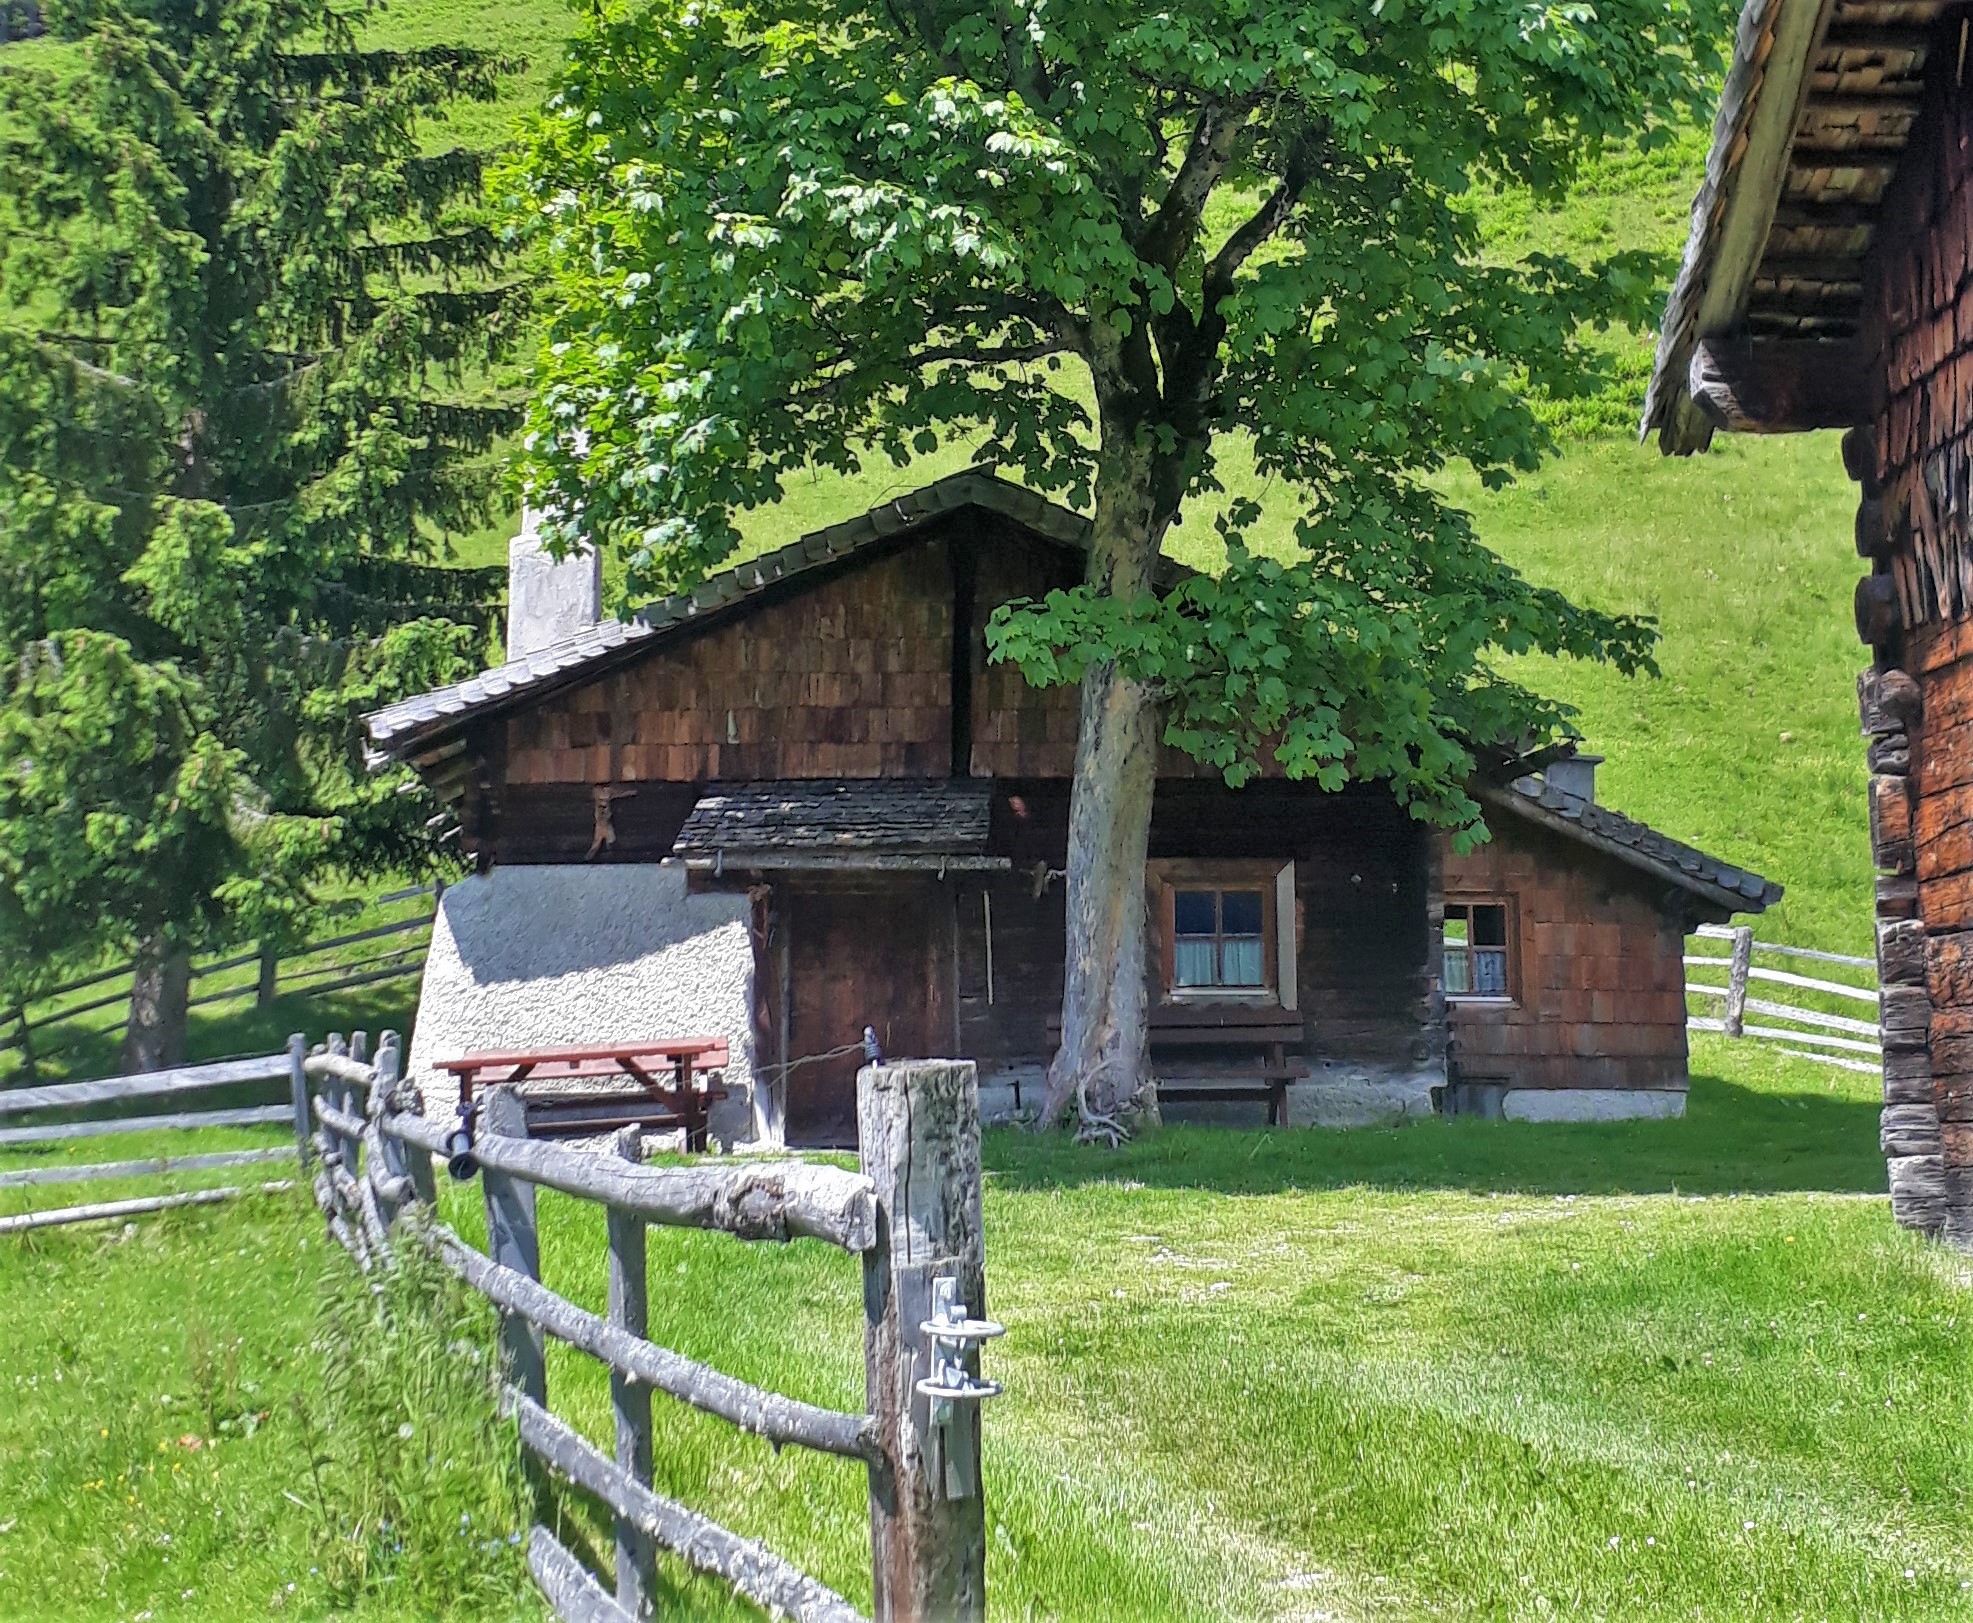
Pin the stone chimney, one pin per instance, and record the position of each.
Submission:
(546, 600)
(1574, 775)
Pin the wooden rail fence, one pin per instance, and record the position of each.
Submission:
(1786, 1017)
(55, 1108)
(912, 1216)
(54, 1022)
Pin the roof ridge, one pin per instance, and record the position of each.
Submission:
(1632, 840)
(977, 485)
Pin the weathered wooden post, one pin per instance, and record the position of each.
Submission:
(512, 1241)
(388, 1151)
(344, 1093)
(334, 1092)
(298, 1096)
(630, 1311)
(918, 1123)
(267, 981)
(417, 1163)
(1736, 980)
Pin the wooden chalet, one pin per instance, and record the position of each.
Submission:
(815, 742)
(1828, 283)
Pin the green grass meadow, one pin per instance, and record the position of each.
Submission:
(1461, 1369)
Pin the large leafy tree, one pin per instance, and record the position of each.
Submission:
(240, 301)
(1106, 241)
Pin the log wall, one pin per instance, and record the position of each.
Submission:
(1365, 981)
(1917, 465)
(1913, 458)
(1596, 970)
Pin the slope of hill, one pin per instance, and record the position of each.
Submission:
(1747, 744)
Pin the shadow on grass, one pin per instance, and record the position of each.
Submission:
(1733, 1139)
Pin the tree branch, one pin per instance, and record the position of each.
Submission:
(1175, 227)
(1263, 222)
(97, 374)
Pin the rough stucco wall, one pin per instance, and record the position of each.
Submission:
(554, 955)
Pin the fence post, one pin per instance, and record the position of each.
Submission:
(388, 1151)
(416, 1163)
(26, 1044)
(511, 1241)
(333, 1092)
(637, 1558)
(1736, 979)
(269, 981)
(918, 1124)
(298, 1094)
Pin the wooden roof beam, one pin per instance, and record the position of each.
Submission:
(1808, 214)
(1915, 40)
(1776, 385)
(1844, 270)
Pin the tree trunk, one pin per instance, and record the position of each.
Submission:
(160, 988)
(1102, 1064)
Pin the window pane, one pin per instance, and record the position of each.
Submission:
(1455, 928)
(1192, 963)
(1243, 960)
(1457, 982)
(1193, 912)
(1490, 926)
(1490, 971)
(1240, 912)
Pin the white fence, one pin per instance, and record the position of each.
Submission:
(1798, 1012)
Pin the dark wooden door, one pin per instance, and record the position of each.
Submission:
(879, 957)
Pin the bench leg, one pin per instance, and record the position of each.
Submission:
(1277, 1105)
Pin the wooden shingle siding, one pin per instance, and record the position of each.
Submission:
(1597, 976)
(850, 679)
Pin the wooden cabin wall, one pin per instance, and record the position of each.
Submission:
(1913, 457)
(851, 678)
(1596, 969)
(1363, 878)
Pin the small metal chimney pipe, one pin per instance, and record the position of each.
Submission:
(1574, 775)
(548, 600)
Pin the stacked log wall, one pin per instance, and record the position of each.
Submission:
(1365, 976)
(1913, 458)
(1598, 973)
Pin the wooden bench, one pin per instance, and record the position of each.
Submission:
(1243, 1049)
(675, 1089)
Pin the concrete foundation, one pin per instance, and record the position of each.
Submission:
(1340, 1095)
(1592, 1104)
(1335, 1096)
(558, 955)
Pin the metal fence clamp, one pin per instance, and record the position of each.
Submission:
(952, 1387)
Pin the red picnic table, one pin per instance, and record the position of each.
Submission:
(675, 1072)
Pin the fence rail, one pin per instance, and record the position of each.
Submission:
(912, 1217)
(1805, 1032)
(56, 1101)
(51, 1024)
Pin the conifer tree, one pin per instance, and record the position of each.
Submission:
(242, 307)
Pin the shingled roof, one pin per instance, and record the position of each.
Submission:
(398, 730)
(1818, 104)
(833, 822)
(1735, 890)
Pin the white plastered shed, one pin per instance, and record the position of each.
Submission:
(534, 956)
